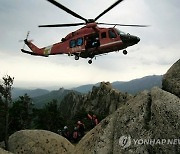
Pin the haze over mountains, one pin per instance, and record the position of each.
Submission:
(132, 87)
(43, 96)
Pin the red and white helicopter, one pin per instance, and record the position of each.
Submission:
(88, 41)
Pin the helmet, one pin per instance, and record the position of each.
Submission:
(75, 128)
(65, 127)
(94, 116)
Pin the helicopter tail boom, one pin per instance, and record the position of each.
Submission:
(32, 46)
(35, 50)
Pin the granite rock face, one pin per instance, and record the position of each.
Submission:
(171, 80)
(39, 142)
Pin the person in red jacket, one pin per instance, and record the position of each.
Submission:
(94, 120)
(75, 135)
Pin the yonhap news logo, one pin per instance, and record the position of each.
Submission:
(126, 141)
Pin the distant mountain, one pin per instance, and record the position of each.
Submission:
(16, 92)
(137, 85)
(132, 87)
(85, 88)
(41, 96)
(58, 95)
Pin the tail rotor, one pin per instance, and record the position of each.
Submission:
(25, 39)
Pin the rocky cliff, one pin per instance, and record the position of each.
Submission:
(171, 80)
(102, 100)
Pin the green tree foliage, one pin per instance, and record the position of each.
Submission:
(2, 119)
(49, 118)
(5, 91)
(21, 114)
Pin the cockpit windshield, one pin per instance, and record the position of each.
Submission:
(120, 32)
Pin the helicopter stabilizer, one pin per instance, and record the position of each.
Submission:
(32, 53)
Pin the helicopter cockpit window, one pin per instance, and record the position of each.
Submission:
(72, 43)
(120, 32)
(79, 41)
(112, 34)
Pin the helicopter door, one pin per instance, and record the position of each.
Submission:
(92, 41)
(112, 34)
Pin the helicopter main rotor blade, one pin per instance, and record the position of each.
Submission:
(67, 10)
(124, 25)
(62, 25)
(108, 9)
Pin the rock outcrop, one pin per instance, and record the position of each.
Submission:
(171, 80)
(39, 142)
(102, 100)
(150, 115)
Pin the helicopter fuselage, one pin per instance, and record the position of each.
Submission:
(88, 42)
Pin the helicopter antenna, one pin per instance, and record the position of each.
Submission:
(114, 25)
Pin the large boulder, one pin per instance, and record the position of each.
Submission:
(39, 142)
(150, 115)
(171, 80)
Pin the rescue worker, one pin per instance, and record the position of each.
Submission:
(94, 120)
(75, 135)
(81, 128)
(59, 132)
(65, 133)
(95, 42)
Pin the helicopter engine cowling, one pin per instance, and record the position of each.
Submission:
(91, 25)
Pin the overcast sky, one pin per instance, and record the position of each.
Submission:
(154, 54)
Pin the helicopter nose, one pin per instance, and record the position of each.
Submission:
(130, 39)
(135, 39)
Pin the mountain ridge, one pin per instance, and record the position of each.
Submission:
(133, 86)
(16, 92)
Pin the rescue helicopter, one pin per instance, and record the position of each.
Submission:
(88, 41)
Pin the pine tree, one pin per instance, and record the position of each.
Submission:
(5, 91)
(21, 113)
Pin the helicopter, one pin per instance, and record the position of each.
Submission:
(88, 41)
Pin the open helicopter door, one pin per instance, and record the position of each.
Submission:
(92, 41)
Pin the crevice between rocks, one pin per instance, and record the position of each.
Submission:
(148, 114)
